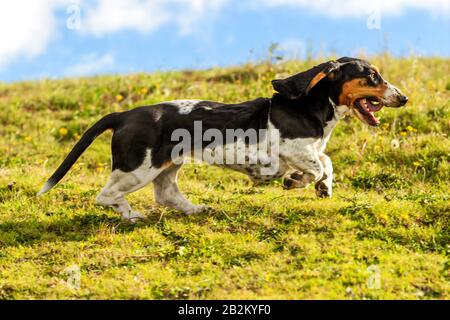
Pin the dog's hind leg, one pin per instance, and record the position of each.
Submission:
(122, 183)
(168, 194)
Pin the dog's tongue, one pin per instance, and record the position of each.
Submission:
(369, 109)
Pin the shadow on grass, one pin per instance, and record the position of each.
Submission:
(81, 227)
(77, 228)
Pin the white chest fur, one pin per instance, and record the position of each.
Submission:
(339, 113)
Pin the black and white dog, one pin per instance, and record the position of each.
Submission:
(304, 112)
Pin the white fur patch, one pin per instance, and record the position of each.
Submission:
(168, 194)
(300, 154)
(304, 154)
(166, 189)
(390, 95)
(339, 113)
(47, 186)
(121, 183)
(259, 160)
(184, 106)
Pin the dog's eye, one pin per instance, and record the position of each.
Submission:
(373, 78)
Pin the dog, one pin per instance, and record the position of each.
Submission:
(304, 111)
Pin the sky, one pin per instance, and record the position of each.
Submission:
(71, 38)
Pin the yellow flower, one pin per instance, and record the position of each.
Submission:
(403, 133)
(63, 131)
(144, 90)
(77, 136)
(100, 167)
(383, 217)
(411, 129)
(28, 138)
(119, 97)
(416, 163)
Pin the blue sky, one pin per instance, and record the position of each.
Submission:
(59, 38)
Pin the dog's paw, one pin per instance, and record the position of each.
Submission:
(133, 216)
(196, 209)
(322, 190)
(298, 180)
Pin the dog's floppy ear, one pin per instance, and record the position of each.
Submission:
(300, 84)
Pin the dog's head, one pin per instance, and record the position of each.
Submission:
(349, 81)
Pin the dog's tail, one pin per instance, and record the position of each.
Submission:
(110, 121)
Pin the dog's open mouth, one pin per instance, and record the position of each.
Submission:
(366, 108)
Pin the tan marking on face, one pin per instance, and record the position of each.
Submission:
(375, 68)
(316, 80)
(358, 88)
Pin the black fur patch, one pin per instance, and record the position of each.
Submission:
(151, 127)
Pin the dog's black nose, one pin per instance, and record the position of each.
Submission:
(403, 99)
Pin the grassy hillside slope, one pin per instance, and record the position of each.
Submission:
(385, 233)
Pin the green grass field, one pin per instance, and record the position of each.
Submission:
(384, 235)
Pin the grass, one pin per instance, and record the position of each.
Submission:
(389, 215)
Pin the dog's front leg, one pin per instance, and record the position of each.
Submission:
(324, 187)
(308, 166)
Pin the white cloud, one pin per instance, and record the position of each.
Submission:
(91, 64)
(109, 16)
(292, 48)
(26, 28)
(114, 15)
(196, 11)
(359, 8)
